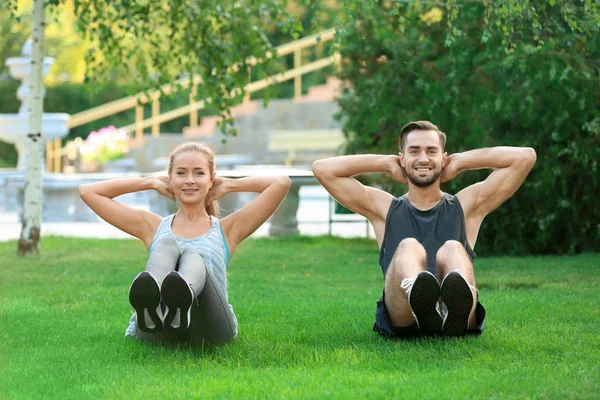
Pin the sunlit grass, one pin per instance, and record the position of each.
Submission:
(306, 309)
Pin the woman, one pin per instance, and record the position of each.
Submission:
(182, 294)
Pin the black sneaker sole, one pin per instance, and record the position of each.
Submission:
(457, 295)
(144, 296)
(423, 299)
(178, 298)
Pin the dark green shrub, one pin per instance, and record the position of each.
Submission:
(482, 96)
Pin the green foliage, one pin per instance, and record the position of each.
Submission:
(535, 87)
(9, 103)
(306, 308)
(183, 38)
(13, 36)
(158, 42)
(493, 72)
(72, 98)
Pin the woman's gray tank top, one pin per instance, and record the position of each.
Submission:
(211, 246)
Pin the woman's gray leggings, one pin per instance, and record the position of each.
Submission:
(212, 321)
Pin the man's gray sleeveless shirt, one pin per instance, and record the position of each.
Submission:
(432, 228)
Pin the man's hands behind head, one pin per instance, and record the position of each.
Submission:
(451, 168)
(395, 170)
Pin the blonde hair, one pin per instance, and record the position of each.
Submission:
(213, 208)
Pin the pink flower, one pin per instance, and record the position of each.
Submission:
(105, 144)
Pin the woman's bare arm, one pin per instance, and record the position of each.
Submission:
(99, 196)
(241, 224)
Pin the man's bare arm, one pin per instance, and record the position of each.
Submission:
(336, 175)
(511, 164)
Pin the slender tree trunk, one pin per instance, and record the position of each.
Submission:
(29, 243)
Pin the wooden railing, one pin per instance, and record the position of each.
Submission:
(55, 151)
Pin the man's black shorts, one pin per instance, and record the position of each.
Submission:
(384, 327)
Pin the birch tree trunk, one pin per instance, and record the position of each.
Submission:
(29, 243)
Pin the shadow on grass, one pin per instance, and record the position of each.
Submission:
(499, 286)
(353, 348)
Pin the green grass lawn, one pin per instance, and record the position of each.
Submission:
(306, 308)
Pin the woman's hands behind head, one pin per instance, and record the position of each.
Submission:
(218, 189)
(162, 184)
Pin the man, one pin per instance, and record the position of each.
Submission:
(427, 233)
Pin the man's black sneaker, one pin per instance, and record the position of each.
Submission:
(458, 298)
(423, 295)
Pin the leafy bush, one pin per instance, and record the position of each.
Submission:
(542, 95)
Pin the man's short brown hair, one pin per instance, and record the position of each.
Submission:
(420, 126)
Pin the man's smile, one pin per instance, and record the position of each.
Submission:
(423, 168)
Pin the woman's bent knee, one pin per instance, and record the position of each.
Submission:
(167, 242)
(190, 251)
(191, 255)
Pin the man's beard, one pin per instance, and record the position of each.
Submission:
(422, 182)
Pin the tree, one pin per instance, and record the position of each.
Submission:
(159, 41)
(62, 41)
(499, 75)
(32, 205)
(218, 41)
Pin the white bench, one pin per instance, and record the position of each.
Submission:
(7, 202)
(284, 221)
(61, 201)
(326, 142)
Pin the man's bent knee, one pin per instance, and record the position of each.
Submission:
(409, 247)
(451, 248)
(409, 259)
(410, 243)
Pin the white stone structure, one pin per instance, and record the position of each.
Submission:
(15, 127)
